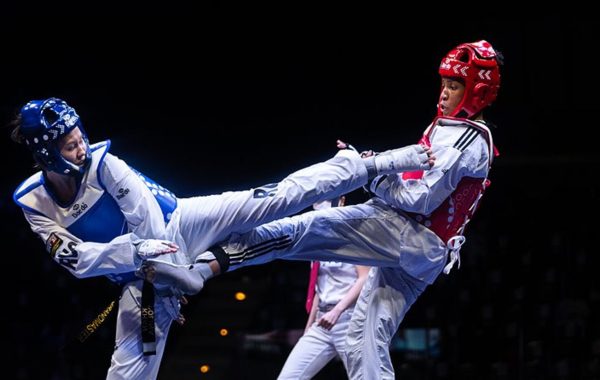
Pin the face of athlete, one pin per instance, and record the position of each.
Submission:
(451, 95)
(72, 147)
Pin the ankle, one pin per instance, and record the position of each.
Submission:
(218, 254)
(215, 267)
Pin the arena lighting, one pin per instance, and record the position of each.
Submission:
(240, 296)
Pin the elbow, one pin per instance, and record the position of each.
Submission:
(420, 205)
(78, 272)
(430, 206)
(361, 281)
(79, 275)
(426, 210)
(72, 265)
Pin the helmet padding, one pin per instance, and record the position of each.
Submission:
(43, 123)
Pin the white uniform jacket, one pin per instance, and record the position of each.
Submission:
(93, 234)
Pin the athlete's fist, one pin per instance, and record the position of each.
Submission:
(343, 145)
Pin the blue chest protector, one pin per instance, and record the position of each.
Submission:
(95, 216)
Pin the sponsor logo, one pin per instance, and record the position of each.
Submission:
(122, 193)
(93, 325)
(265, 191)
(148, 333)
(67, 257)
(53, 244)
(78, 209)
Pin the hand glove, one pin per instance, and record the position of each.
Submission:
(365, 153)
(147, 249)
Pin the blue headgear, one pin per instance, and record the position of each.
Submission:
(43, 123)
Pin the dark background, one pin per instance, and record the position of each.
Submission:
(223, 98)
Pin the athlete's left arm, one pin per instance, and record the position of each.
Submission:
(454, 160)
(84, 258)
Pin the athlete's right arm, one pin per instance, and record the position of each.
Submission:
(312, 316)
(87, 259)
(454, 161)
(140, 208)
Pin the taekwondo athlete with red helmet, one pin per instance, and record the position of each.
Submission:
(412, 229)
(442, 201)
(98, 216)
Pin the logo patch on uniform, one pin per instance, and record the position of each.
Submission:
(53, 244)
(122, 192)
(265, 191)
(78, 209)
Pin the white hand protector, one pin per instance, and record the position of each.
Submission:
(147, 249)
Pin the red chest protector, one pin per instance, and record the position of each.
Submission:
(448, 221)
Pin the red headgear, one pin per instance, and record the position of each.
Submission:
(474, 63)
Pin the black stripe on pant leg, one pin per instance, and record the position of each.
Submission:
(256, 247)
(256, 254)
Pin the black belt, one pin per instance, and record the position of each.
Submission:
(148, 330)
(326, 307)
(147, 323)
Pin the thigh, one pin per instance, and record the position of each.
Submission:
(128, 360)
(207, 220)
(360, 234)
(339, 331)
(383, 302)
(312, 352)
(371, 234)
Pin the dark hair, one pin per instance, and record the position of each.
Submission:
(15, 126)
(16, 135)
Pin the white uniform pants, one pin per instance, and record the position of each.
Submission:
(200, 222)
(385, 298)
(316, 348)
(128, 361)
(409, 255)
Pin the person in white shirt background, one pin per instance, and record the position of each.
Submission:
(335, 292)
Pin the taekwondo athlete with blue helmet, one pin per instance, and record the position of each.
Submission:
(98, 216)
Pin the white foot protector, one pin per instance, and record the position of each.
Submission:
(188, 278)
